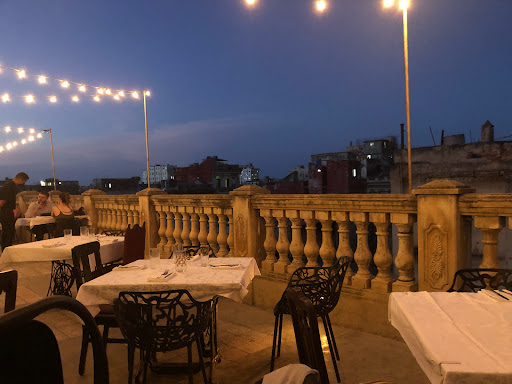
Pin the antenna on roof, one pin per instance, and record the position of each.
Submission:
(431, 134)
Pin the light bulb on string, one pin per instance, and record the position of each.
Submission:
(1, 148)
(135, 94)
(39, 135)
(7, 129)
(23, 141)
(96, 98)
(5, 98)
(29, 99)
(20, 130)
(32, 130)
(116, 97)
(53, 99)
(147, 93)
(42, 80)
(388, 3)
(100, 91)
(64, 84)
(81, 88)
(31, 138)
(121, 93)
(250, 2)
(14, 143)
(108, 92)
(321, 5)
(8, 146)
(75, 99)
(21, 74)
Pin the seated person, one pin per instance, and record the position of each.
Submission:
(63, 214)
(43, 206)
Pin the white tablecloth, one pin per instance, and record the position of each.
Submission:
(202, 282)
(456, 337)
(111, 248)
(39, 220)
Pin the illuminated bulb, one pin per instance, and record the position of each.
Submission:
(250, 2)
(321, 5)
(39, 135)
(135, 94)
(404, 4)
(5, 98)
(121, 93)
(32, 130)
(42, 80)
(116, 97)
(147, 93)
(30, 99)
(96, 98)
(20, 130)
(14, 143)
(108, 92)
(101, 91)
(53, 99)
(31, 138)
(65, 84)
(388, 3)
(8, 146)
(81, 88)
(23, 141)
(7, 129)
(1, 149)
(75, 99)
(22, 74)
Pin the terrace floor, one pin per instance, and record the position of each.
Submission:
(245, 341)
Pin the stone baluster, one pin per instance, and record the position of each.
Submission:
(327, 251)
(113, 221)
(194, 229)
(270, 240)
(161, 230)
(344, 248)
(222, 238)
(108, 223)
(362, 256)
(283, 244)
(382, 258)
(119, 221)
(212, 232)
(185, 233)
(129, 218)
(404, 260)
(311, 248)
(124, 219)
(178, 227)
(136, 217)
(101, 218)
(296, 245)
(231, 237)
(203, 229)
(490, 228)
(169, 233)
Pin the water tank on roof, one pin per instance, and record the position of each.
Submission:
(454, 140)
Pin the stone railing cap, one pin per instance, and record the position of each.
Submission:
(25, 193)
(443, 187)
(248, 190)
(54, 193)
(150, 192)
(91, 192)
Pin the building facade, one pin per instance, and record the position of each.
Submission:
(249, 175)
(158, 173)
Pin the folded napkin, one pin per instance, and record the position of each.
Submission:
(226, 266)
(130, 267)
(289, 374)
(493, 295)
(53, 245)
(161, 277)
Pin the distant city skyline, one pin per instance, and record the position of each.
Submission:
(269, 86)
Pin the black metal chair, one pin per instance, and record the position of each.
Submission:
(9, 285)
(162, 322)
(321, 285)
(29, 352)
(474, 279)
(83, 272)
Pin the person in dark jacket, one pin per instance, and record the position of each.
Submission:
(8, 211)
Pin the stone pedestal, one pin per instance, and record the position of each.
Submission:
(149, 217)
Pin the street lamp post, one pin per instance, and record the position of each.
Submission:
(53, 160)
(147, 141)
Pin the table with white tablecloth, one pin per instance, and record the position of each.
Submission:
(456, 337)
(59, 248)
(41, 220)
(202, 282)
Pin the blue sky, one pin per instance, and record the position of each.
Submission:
(270, 85)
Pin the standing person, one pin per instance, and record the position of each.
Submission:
(43, 206)
(8, 211)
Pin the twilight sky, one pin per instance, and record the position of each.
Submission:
(270, 85)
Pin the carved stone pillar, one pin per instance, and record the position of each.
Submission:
(362, 256)
(404, 260)
(119, 219)
(222, 238)
(185, 234)
(231, 237)
(147, 209)
(136, 217)
(311, 248)
(212, 232)
(296, 246)
(129, 217)
(444, 236)
(194, 229)
(178, 227)
(161, 230)
(490, 228)
(327, 251)
(203, 229)
(270, 241)
(344, 249)
(382, 258)
(283, 244)
(169, 233)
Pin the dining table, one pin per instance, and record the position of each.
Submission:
(457, 337)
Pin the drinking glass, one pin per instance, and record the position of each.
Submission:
(154, 258)
(204, 251)
(68, 233)
(84, 231)
(181, 261)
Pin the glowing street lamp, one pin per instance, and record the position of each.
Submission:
(321, 5)
(403, 5)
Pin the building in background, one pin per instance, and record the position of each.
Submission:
(158, 173)
(70, 186)
(249, 175)
(117, 186)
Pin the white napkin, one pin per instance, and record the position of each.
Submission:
(226, 266)
(493, 296)
(130, 267)
(53, 245)
(289, 374)
(161, 277)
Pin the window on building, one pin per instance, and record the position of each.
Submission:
(372, 144)
(110, 185)
(354, 172)
(368, 156)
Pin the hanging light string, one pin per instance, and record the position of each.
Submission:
(20, 130)
(33, 135)
(99, 91)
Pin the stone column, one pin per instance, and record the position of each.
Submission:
(444, 237)
(270, 241)
(311, 248)
(247, 229)
(185, 233)
(404, 260)
(382, 258)
(148, 212)
(231, 238)
(296, 246)
(194, 227)
(344, 249)
(90, 207)
(327, 251)
(490, 227)
(283, 244)
(362, 256)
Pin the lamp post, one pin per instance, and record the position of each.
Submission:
(404, 4)
(53, 161)
(147, 141)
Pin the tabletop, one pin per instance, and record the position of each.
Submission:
(456, 337)
(202, 282)
(111, 248)
(39, 220)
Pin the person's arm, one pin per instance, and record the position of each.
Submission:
(31, 211)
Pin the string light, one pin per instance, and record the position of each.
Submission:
(388, 3)
(75, 99)
(100, 91)
(14, 143)
(116, 97)
(23, 141)
(108, 92)
(30, 99)
(39, 135)
(21, 74)
(31, 138)
(7, 129)
(1, 148)
(8, 146)
(20, 130)
(5, 98)
(135, 94)
(147, 93)
(42, 80)
(65, 84)
(96, 98)
(321, 5)
(250, 2)
(32, 130)
(53, 99)
(82, 88)
(121, 93)
(404, 4)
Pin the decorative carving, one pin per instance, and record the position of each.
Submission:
(436, 246)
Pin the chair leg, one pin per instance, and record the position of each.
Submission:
(201, 362)
(274, 342)
(280, 335)
(105, 336)
(332, 337)
(147, 354)
(131, 355)
(83, 351)
(331, 350)
(190, 370)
